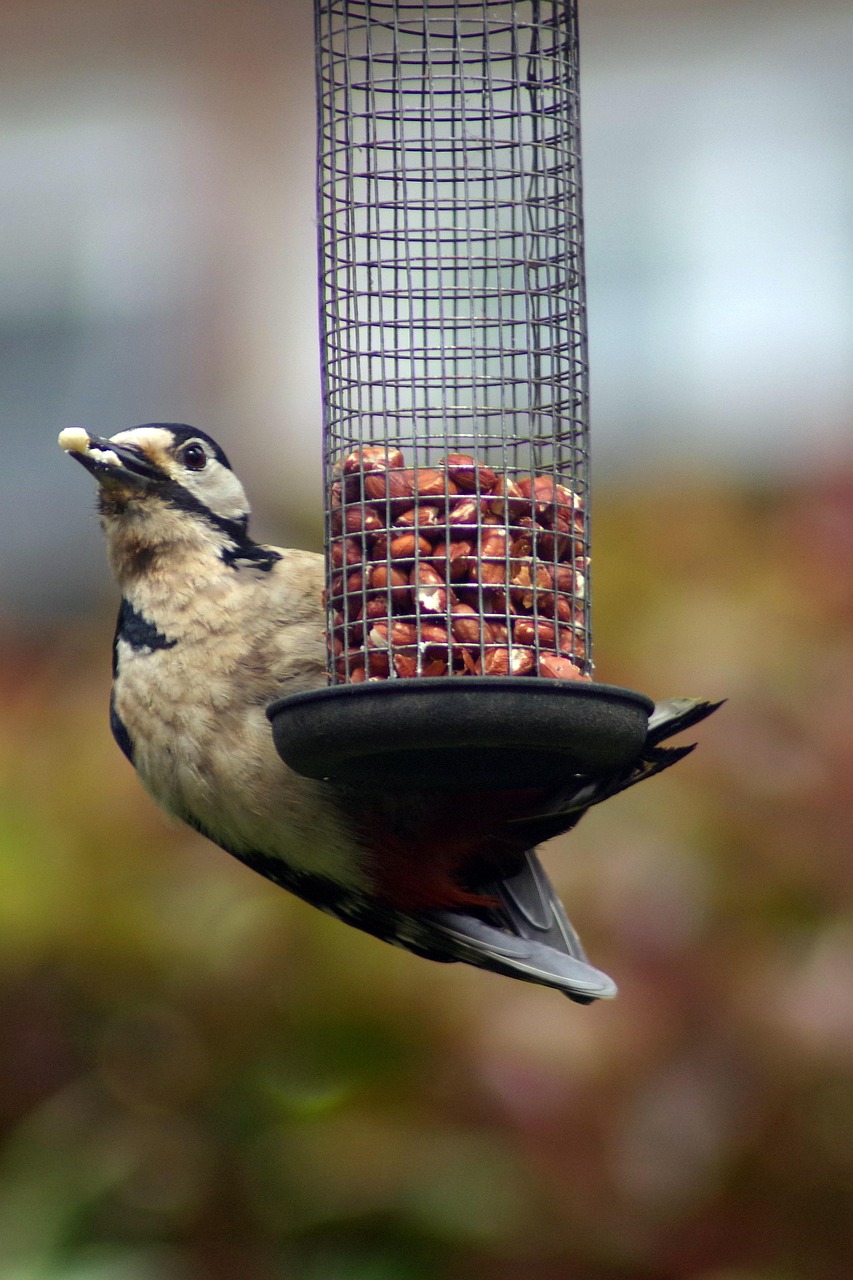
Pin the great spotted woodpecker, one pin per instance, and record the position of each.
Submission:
(212, 628)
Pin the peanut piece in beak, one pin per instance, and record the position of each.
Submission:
(74, 440)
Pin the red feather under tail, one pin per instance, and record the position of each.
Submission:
(427, 851)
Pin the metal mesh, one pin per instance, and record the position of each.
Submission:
(452, 301)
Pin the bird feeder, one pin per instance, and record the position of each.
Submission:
(455, 431)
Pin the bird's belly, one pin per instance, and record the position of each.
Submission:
(222, 774)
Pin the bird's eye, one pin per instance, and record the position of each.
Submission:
(194, 457)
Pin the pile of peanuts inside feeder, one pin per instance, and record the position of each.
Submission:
(453, 570)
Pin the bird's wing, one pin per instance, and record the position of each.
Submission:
(566, 805)
(288, 643)
(674, 714)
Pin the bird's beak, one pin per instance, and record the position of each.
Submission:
(107, 460)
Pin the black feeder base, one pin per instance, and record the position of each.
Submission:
(484, 733)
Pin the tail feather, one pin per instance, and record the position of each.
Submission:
(516, 924)
(532, 908)
(528, 936)
(485, 947)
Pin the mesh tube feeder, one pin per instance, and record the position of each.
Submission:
(455, 435)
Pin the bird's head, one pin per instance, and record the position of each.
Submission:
(162, 485)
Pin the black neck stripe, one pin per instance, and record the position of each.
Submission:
(137, 631)
(241, 549)
(181, 499)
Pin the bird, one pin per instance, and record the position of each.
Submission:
(212, 628)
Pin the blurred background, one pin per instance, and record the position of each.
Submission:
(200, 1077)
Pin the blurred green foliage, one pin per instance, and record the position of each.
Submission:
(202, 1077)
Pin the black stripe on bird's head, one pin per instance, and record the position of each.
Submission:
(175, 464)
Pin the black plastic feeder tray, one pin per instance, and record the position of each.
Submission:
(487, 733)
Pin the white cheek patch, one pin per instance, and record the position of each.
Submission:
(218, 489)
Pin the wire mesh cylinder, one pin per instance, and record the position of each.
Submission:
(453, 339)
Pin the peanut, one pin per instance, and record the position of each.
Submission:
(396, 485)
(466, 625)
(512, 548)
(346, 551)
(420, 518)
(465, 472)
(372, 458)
(556, 668)
(355, 519)
(430, 592)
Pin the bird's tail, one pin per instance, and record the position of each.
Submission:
(527, 935)
(524, 932)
